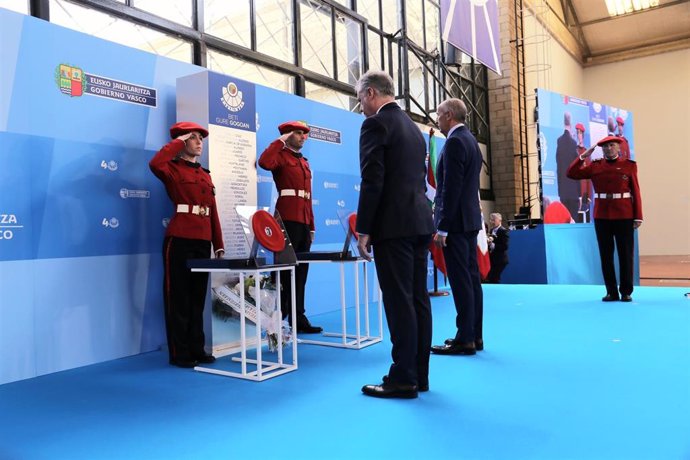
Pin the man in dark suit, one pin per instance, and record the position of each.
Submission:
(566, 152)
(393, 215)
(498, 247)
(457, 216)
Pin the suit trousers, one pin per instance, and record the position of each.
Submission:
(465, 283)
(300, 237)
(497, 267)
(401, 267)
(184, 294)
(621, 233)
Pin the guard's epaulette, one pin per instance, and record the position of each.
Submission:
(207, 170)
(630, 160)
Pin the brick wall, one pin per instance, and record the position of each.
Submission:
(503, 116)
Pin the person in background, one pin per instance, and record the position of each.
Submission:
(292, 176)
(191, 233)
(394, 216)
(617, 212)
(566, 152)
(499, 237)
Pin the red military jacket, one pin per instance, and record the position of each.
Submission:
(608, 177)
(187, 183)
(292, 176)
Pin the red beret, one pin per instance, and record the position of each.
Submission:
(580, 126)
(608, 139)
(290, 126)
(185, 127)
(620, 121)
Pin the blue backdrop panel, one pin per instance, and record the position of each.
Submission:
(10, 34)
(557, 254)
(62, 313)
(572, 255)
(75, 184)
(527, 258)
(17, 334)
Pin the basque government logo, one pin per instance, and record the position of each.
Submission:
(74, 82)
(71, 80)
(232, 97)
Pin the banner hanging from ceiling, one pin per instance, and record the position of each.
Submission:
(472, 27)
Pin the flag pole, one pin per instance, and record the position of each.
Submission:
(436, 292)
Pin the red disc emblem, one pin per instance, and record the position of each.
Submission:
(352, 221)
(267, 231)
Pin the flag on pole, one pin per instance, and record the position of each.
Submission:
(432, 158)
(483, 259)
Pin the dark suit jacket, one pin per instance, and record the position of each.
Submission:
(566, 151)
(392, 154)
(456, 206)
(499, 256)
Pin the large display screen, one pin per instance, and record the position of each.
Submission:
(567, 126)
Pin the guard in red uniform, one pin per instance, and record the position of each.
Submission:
(190, 233)
(617, 212)
(292, 177)
(625, 146)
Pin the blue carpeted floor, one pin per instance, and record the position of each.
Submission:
(564, 376)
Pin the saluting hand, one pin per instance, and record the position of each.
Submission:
(284, 137)
(185, 136)
(588, 152)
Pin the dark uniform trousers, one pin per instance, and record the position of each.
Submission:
(401, 265)
(620, 230)
(300, 237)
(465, 282)
(184, 296)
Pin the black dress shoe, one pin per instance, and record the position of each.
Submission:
(205, 359)
(454, 349)
(420, 387)
(305, 327)
(186, 363)
(391, 390)
(626, 298)
(610, 298)
(478, 344)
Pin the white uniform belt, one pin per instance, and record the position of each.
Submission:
(293, 192)
(612, 196)
(194, 209)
